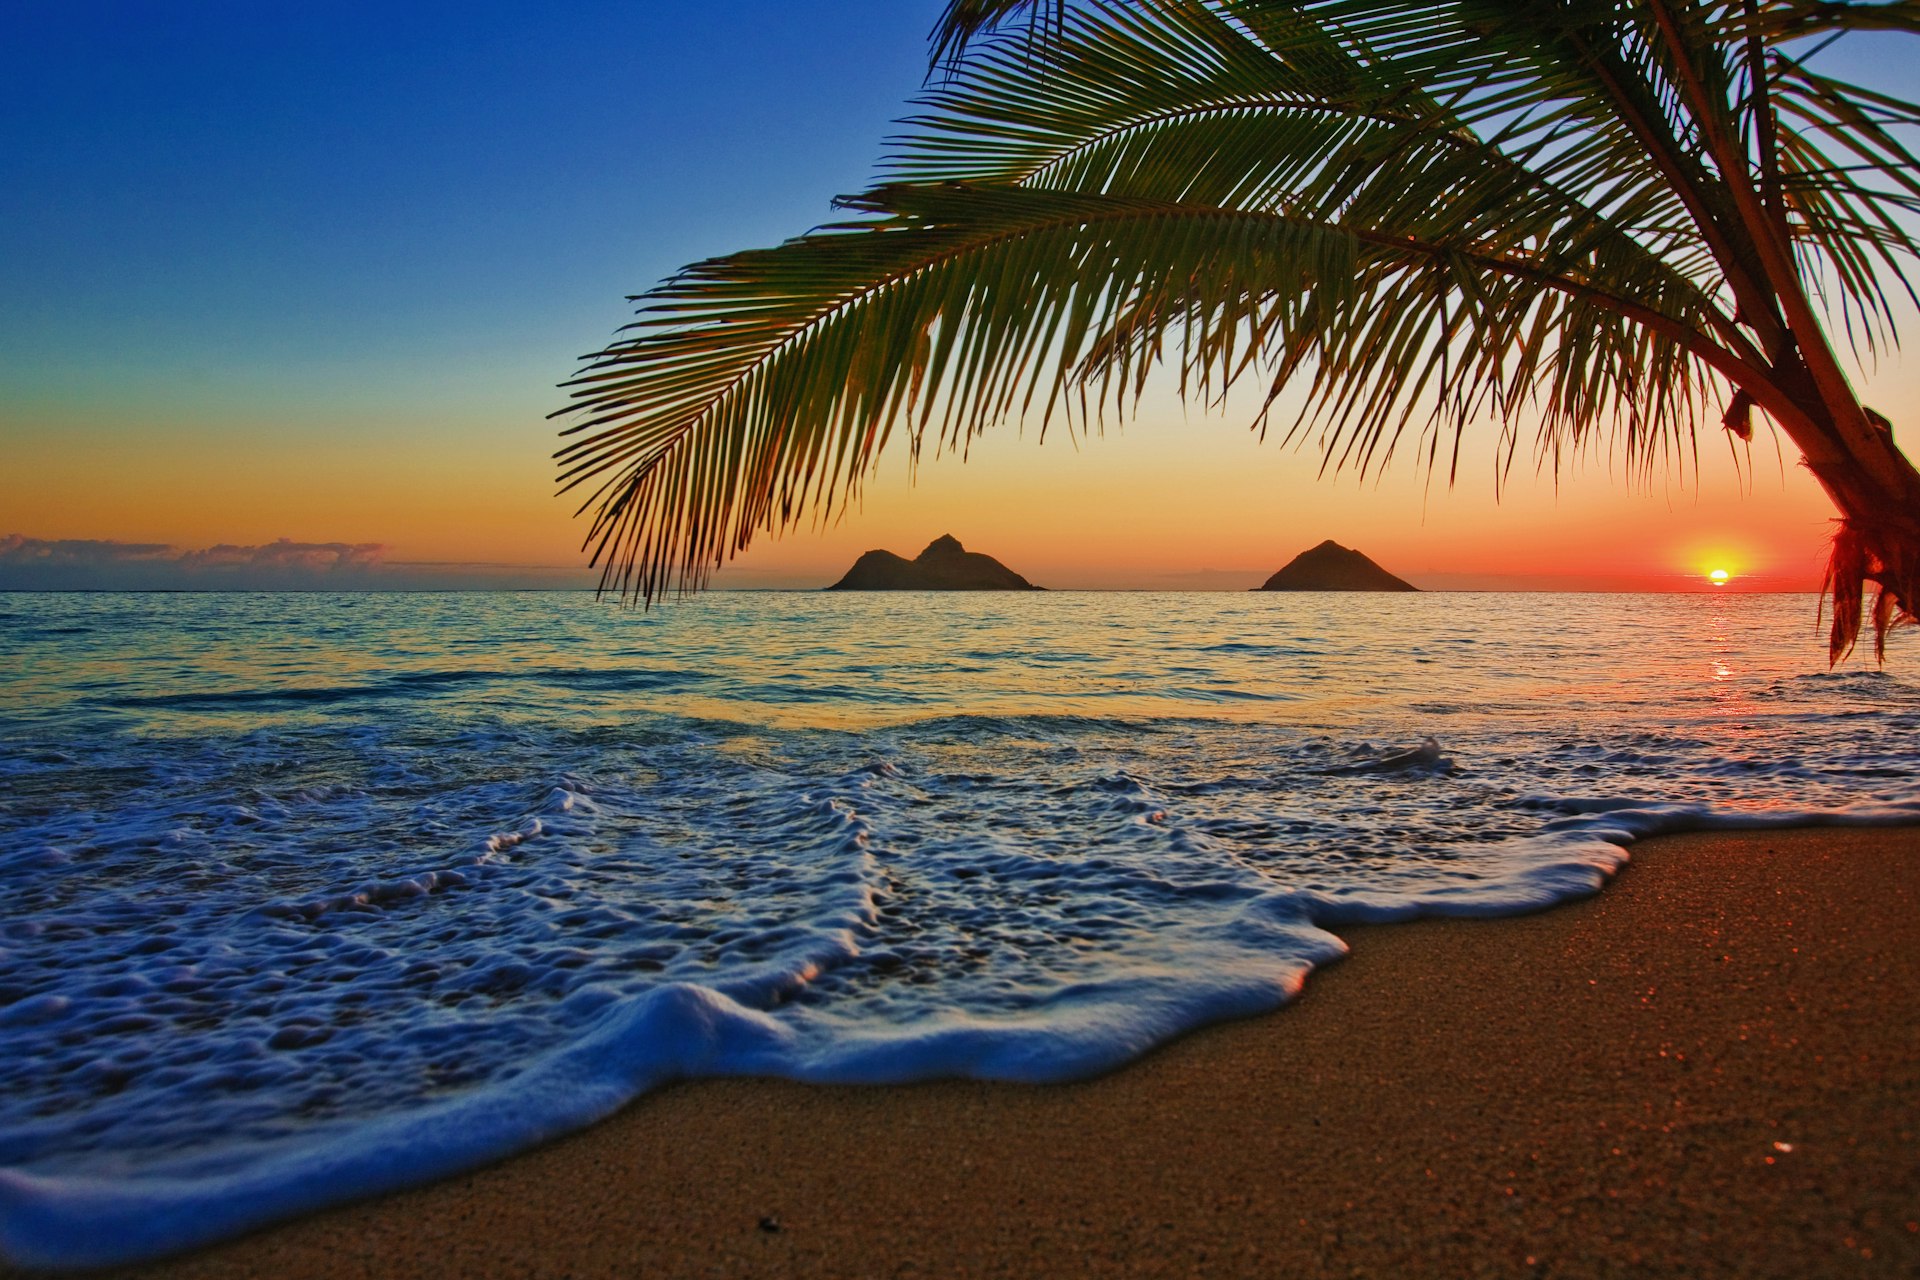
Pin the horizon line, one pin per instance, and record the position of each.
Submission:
(1724, 590)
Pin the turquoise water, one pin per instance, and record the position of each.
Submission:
(308, 896)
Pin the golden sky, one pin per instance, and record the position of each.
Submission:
(1168, 500)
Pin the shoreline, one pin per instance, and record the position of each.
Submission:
(1711, 1067)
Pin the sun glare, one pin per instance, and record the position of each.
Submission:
(1719, 577)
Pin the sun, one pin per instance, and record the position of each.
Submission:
(1719, 577)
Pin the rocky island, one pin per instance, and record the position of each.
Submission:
(1332, 567)
(944, 566)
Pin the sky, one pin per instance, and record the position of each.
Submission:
(289, 289)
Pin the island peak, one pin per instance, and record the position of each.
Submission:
(945, 565)
(1332, 567)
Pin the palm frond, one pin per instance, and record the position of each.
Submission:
(1599, 217)
(964, 20)
(1782, 20)
(762, 385)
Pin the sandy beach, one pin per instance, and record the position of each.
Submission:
(1712, 1068)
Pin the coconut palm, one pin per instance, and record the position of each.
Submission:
(1563, 220)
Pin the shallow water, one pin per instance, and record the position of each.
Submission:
(311, 895)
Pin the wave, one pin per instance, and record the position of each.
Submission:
(254, 961)
(679, 1030)
(412, 684)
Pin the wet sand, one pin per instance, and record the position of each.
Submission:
(1712, 1068)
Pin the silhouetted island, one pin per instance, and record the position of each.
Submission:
(1332, 567)
(944, 566)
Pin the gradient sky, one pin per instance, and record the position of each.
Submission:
(288, 289)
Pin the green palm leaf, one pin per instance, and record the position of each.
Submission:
(1577, 216)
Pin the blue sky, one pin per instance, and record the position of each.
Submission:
(201, 199)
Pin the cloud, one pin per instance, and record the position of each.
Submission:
(311, 557)
(18, 551)
(87, 564)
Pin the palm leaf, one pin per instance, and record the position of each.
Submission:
(1585, 215)
(760, 385)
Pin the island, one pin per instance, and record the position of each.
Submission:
(944, 566)
(1332, 567)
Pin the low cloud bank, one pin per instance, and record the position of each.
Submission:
(90, 564)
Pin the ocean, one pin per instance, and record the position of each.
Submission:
(309, 896)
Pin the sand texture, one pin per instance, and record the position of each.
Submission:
(1713, 1068)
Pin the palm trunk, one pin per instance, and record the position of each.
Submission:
(1877, 539)
(1742, 213)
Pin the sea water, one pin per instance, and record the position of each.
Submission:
(308, 896)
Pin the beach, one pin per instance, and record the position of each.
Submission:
(1710, 1068)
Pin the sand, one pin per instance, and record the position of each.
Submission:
(1712, 1068)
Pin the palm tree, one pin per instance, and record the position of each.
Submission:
(1559, 217)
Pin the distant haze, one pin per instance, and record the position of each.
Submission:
(38, 564)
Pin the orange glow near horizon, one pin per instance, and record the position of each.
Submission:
(1161, 505)
(1173, 500)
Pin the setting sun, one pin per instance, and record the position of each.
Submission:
(1719, 577)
